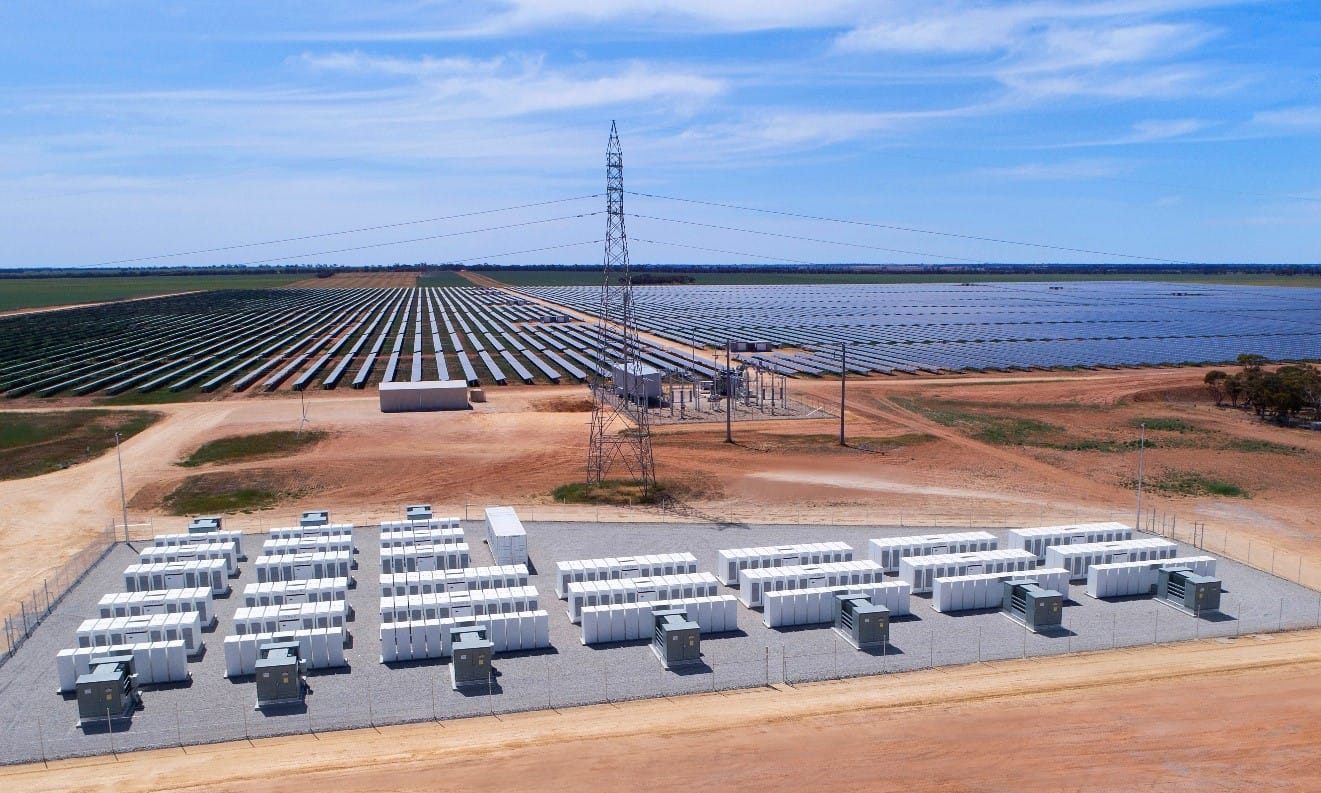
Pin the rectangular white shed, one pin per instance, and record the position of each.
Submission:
(1122, 579)
(888, 551)
(922, 571)
(506, 536)
(732, 560)
(424, 395)
(1038, 538)
(1077, 558)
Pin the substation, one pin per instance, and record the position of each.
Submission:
(327, 625)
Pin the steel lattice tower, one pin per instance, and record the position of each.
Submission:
(613, 442)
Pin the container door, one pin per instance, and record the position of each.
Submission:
(456, 586)
(303, 571)
(937, 549)
(174, 580)
(458, 612)
(647, 595)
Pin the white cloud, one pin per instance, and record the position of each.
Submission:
(1042, 50)
(1301, 118)
(1051, 171)
(510, 86)
(1164, 129)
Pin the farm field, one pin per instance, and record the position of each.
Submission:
(267, 340)
(27, 293)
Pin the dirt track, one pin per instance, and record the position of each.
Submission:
(1214, 715)
(1152, 718)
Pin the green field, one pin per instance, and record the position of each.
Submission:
(590, 278)
(444, 278)
(240, 448)
(32, 444)
(16, 293)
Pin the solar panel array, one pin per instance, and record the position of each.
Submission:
(956, 327)
(298, 338)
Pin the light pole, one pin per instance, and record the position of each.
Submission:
(1142, 443)
(123, 500)
(729, 397)
(843, 376)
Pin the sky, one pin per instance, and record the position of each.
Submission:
(942, 131)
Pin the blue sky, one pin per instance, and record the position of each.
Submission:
(1182, 130)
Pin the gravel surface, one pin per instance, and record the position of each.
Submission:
(35, 721)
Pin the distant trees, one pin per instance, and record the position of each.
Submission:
(1279, 395)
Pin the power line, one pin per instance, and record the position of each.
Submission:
(340, 233)
(420, 239)
(529, 250)
(913, 230)
(721, 250)
(805, 239)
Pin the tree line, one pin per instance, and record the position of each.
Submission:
(1281, 394)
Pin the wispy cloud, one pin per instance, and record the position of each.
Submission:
(1303, 118)
(1054, 171)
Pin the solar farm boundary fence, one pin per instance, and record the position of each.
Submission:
(550, 683)
(36, 605)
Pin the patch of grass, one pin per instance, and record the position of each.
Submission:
(231, 491)
(32, 444)
(237, 448)
(1167, 424)
(16, 293)
(1014, 431)
(825, 442)
(1261, 447)
(1191, 483)
(618, 492)
(1096, 445)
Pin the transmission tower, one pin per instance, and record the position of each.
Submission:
(613, 441)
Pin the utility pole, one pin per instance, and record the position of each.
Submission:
(123, 500)
(843, 377)
(729, 397)
(1142, 443)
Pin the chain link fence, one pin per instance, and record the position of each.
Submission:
(37, 604)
